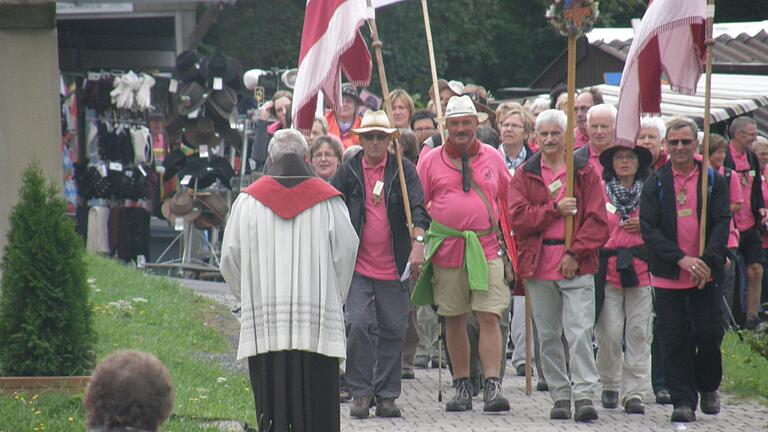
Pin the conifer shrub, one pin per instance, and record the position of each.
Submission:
(45, 318)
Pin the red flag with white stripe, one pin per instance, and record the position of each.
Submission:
(330, 42)
(670, 39)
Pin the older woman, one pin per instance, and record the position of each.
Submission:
(626, 311)
(652, 130)
(325, 154)
(515, 129)
(129, 390)
(402, 108)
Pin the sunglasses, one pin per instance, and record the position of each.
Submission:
(677, 142)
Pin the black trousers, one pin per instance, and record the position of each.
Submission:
(296, 391)
(690, 331)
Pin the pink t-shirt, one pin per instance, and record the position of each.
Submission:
(744, 218)
(687, 226)
(460, 210)
(551, 255)
(375, 258)
(594, 160)
(579, 139)
(736, 198)
(619, 238)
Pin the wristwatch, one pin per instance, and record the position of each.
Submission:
(419, 238)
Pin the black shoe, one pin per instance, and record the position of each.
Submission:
(561, 410)
(663, 397)
(541, 385)
(710, 402)
(610, 399)
(493, 401)
(683, 414)
(509, 353)
(634, 406)
(408, 374)
(344, 396)
(462, 400)
(385, 407)
(584, 411)
(520, 369)
(360, 406)
(421, 362)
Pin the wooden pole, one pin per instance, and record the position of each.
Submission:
(433, 67)
(388, 107)
(709, 42)
(528, 344)
(569, 135)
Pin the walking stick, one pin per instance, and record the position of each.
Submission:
(709, 42)
(569, 137)
(433, 67)
(388, 107)
(528, 337)
(439, 362)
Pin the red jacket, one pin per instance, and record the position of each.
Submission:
(531, 210)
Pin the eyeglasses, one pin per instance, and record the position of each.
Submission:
(677, 142)
(319, 156)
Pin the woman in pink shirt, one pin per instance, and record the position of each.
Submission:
(626, 310)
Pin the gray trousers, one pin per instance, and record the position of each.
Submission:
(566, 307)
(376, 315)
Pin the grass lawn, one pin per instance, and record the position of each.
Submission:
(745, 372)
(136, 311)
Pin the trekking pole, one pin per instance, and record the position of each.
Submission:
(732, 324)
(439, 362)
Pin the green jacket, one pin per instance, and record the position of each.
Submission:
(474, 262)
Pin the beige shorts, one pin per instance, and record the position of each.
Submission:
(453, 296)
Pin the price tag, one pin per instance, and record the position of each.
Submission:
(143, 172)
(129, 173)
(252, 163)
(173, 87)
(218, 83)
(185, 181)
(103, 170)
(203, 151)
(94, 76)
(194, 114)
(179, 224)
(115, 166)
(141, 261)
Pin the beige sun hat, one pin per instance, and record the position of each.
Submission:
(376, 121)
(460, 106)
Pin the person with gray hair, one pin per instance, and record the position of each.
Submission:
(601, 128)
(743, 161)
(560, 281)
(652, 132)
(288, 256)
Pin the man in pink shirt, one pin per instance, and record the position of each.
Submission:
(464, 180)
(686, 284)
(586, 99)
(377, 307)
(601, 127)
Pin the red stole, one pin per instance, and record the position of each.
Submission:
(289, 202)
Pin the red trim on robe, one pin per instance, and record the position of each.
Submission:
(289, 202)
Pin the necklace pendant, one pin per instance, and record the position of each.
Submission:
(682, 197)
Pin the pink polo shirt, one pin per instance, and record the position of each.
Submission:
(579, 139)
(687, 227)
(744, 218)
(619, 238)
(736, 198)
(594, 160)
(375, 258)
(551, 255)
(460, 210)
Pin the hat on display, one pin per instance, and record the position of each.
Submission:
(217, 66)
(200, 133)
(175, 127)
(172, 163)
(224, 101)
(214, 210)
(461, 106)
(349, 90)
(181, 205)
(643, 156)
(206, 170)
(376, 121)
(187, 65)
(189, 97)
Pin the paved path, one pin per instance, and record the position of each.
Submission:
(422, 412)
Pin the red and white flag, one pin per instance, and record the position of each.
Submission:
(330, 42)
(670, 39)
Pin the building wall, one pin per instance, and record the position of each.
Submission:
(29, 112)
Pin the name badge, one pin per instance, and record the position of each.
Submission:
(611, 208)
(684, 212)
(555, 185)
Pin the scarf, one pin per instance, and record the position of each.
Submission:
(625, 200)
(455, 152)
(512, 164)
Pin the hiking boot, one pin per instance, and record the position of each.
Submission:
(541, 385)
(360, 407)
(408, 374)
(683, 414)
(610, 399)
(634, 406)
(462, 400)
(344, 396)
(663, 397)
(493, 401)
(584, 411)
(710, 402)
(421, 362)
(520, 369)
(561, 410)
(385, 407)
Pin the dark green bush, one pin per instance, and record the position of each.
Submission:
(758, 342)
(45, 318)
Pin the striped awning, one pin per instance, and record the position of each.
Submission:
(732, 96)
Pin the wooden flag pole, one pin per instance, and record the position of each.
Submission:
(709, 42)
(388, 107)
(569, 135)
(433, 67)
(528, 344)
